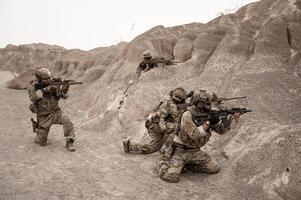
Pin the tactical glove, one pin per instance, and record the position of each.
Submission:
(39, 94)
(162, 126)
(235, 117)
(65, 88)
(206, 125)
(49, 89)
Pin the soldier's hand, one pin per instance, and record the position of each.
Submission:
(39, 94)
(49, 89)
(206, 125)
(162, 125)
(214, 96)
(65, 88)
(235, 116)
(170, 125)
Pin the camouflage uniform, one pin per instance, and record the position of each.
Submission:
(159, 132)
(150, 62)
(48, 112)
(160, 124)
(185, 149)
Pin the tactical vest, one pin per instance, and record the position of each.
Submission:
(200, 137)
(46, 105)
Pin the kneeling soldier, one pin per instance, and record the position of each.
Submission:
(160, 124)
(185, 149)
(45, 99)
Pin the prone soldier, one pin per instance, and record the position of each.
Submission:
(149, 62)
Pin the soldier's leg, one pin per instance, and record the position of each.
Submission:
(62, 118)
(168, 138)
(157, 140)
(170, 170)
(202, 162)
(44, 124)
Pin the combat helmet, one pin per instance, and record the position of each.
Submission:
(146, 55)
(202, 97)
(178, 94)
(43, 73)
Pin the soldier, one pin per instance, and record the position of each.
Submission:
(185, 149)
(160, 124)
(149, 63)
(45, 100)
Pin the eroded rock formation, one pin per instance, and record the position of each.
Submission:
(254, 52)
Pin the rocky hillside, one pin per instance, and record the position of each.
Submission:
(254, 52)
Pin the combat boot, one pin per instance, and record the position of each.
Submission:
(39, 142)
(126, 146)
(69, 145)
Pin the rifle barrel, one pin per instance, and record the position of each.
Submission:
(65, 83)
(227, 99)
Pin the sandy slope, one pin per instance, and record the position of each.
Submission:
(254, 52)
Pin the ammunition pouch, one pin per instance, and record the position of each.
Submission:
(181, 146)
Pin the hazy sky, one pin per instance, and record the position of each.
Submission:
(87, 24)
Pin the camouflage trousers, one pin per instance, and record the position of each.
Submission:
(194, 159)
(45, 122)
(157, 139)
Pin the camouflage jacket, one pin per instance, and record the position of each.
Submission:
(192, 136)
(46, 105)
(149, 64)
(146, 65)
(165, 115)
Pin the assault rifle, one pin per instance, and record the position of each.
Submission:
(218, 101)
(215, 115)
(167, 62)
(57, 83)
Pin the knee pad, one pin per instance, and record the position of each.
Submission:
(211, 167)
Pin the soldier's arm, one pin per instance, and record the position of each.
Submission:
(155, 61)
(189, 128)
(163, 114)
(146, 68)
(139, 69)
(166, 112)
(64, 96)
(64, 93)
(33, 93)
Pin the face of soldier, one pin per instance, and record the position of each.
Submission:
(177, 99)
(45, 80)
